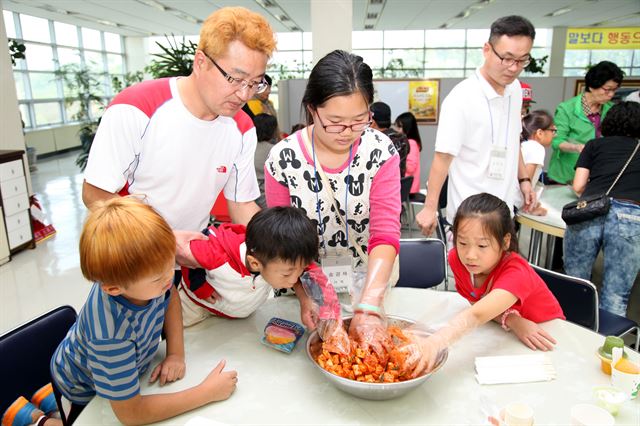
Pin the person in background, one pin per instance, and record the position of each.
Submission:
(260, 104)
(618, 232)
(128, 250)
(537, 132)
(527, 98)
(382, 122)
(499, 283)
(578, 119)
(181, 141)
(407, 125)
(356, 213)
(478, 140)
(267, 132)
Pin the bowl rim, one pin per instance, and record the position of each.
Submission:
(442, 359)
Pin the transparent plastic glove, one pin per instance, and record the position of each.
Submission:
(326, 308)
(419, 353)
(334, 336)
(369, 332)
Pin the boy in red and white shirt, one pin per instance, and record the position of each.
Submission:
(241, 265)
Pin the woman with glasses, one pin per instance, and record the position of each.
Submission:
(346, 177)
(537, 132)
(578, 119)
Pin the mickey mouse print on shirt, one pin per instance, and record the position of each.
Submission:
(352, 182)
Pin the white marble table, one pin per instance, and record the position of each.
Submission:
(553, 198)
(276, 388)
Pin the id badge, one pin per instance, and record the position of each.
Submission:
(339, 271)
(497, 162)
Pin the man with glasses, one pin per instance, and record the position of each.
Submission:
(181, 141)
(478, 137)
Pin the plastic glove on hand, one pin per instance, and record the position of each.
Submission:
(416, 353)
(369, 331)
(334, 336)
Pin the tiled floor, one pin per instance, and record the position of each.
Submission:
(36, 281)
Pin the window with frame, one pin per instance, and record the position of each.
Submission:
(576, 62)
(51, 45)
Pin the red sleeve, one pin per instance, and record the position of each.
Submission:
(276, 193)
(208, 253)
(385, 206)
(331, 307)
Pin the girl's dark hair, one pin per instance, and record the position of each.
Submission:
(409, 125)
(534, 121)
(622, 119)
(600, 73)
(339, 73)
(282, 233)
(494, 215)
(296, 127)
(511, 26)
(266, 127)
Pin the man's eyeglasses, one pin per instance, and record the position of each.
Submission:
(238, 83)
(508, 62)
(339, 128)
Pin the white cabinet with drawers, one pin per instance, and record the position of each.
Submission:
(17, 232)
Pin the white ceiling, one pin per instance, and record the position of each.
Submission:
(157, 17)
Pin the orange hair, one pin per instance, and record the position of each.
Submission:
(236, 23)
(124, 240)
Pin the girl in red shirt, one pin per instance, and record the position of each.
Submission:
(494, 278)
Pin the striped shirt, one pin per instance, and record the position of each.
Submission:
(108, 348)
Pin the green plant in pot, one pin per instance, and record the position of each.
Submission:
(82, 89)
(176, 59)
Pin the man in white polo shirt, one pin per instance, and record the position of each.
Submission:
(477, 143)
(180, 141)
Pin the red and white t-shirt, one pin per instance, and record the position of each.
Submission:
(513, 274)
(149, 143)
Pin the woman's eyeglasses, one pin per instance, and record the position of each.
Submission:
(339, 128)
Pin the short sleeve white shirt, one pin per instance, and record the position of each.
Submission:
(533, 153)
(149, 143)
(473, 118)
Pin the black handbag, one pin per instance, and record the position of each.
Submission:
(587, 208)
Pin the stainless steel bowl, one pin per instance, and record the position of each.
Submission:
(374, 391)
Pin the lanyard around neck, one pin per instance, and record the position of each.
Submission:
(346, 195)
(506, 135)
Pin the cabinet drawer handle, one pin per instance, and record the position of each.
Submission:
(15, 188)
(18, 204)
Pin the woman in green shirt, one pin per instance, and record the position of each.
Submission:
(578, 119)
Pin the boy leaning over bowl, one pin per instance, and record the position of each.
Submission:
(240, 266)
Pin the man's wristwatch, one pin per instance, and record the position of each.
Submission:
(524, 179)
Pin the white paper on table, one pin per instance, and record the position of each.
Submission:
(514, 369)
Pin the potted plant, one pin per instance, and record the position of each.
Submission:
(81, 88)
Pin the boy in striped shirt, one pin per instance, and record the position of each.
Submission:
(128, 250)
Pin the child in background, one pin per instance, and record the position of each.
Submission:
(494, 278)
(267, 132)
(240, 267)
(538, 131)
(407, 125)
(128, 250)
(42, 410)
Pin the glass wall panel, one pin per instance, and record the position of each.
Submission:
(66, 35)
(47, 113)
(35, 29)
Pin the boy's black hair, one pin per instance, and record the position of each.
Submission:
(494, 215)
(282, 233)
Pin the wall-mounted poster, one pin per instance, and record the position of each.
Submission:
(421, 97)
(423, 100)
